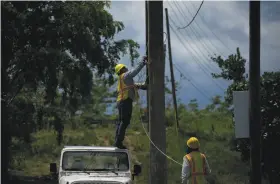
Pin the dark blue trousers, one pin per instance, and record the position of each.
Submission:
(125, 112)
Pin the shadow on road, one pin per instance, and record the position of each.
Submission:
(32, 180)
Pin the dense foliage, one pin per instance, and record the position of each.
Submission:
(51, 51)
(233, 68)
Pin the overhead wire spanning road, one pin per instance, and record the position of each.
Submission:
(193, 17)
(196, 53)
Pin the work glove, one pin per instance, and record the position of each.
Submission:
(142, 86)
(145, 59)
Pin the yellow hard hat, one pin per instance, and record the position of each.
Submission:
(193, 143)
(119, 67)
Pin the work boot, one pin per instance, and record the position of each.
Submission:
(120, 146)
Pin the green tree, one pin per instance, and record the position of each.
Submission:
(233, 68)
(218, 104)
(170, 110)
(216, 101)
(55, 46)
(270, 108)
(96, 105)
(168, 91)
(193, 105)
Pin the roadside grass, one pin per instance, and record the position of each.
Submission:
(213, 130)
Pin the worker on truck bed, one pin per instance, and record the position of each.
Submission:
(195, 165)
(127, 93)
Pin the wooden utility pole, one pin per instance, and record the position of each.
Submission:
(158, 169)
(254, 91)
(147, 53)
(164, 55)
(171, 70)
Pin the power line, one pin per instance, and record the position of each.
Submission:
(200, 64)
(188, 78)
(203, 44)
(197, 38)
(200, 91)
(202, 18)
(204, 68)
(199, 27)
(193, 17)
(178, 17)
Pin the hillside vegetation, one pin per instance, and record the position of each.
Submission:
(214, 129)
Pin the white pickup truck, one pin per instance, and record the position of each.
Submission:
(94, 165)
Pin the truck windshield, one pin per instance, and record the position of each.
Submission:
(95, 161)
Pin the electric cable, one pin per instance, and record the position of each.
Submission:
(203, 20)
(142, 122)
(195, 59)
(210, 72)
(217, 50)
(201, 65)
(164, 154)
(209, 66)
(189, 35)
(193, 16)
(197, 37)
(189, 80)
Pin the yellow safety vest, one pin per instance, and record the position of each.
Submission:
(198, 168)
(123, 89)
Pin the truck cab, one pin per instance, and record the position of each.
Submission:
(94, 165)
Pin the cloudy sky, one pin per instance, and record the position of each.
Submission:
(219, 28)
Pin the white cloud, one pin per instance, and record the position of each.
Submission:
(132, 14)
(270, 32)
(219, 28)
